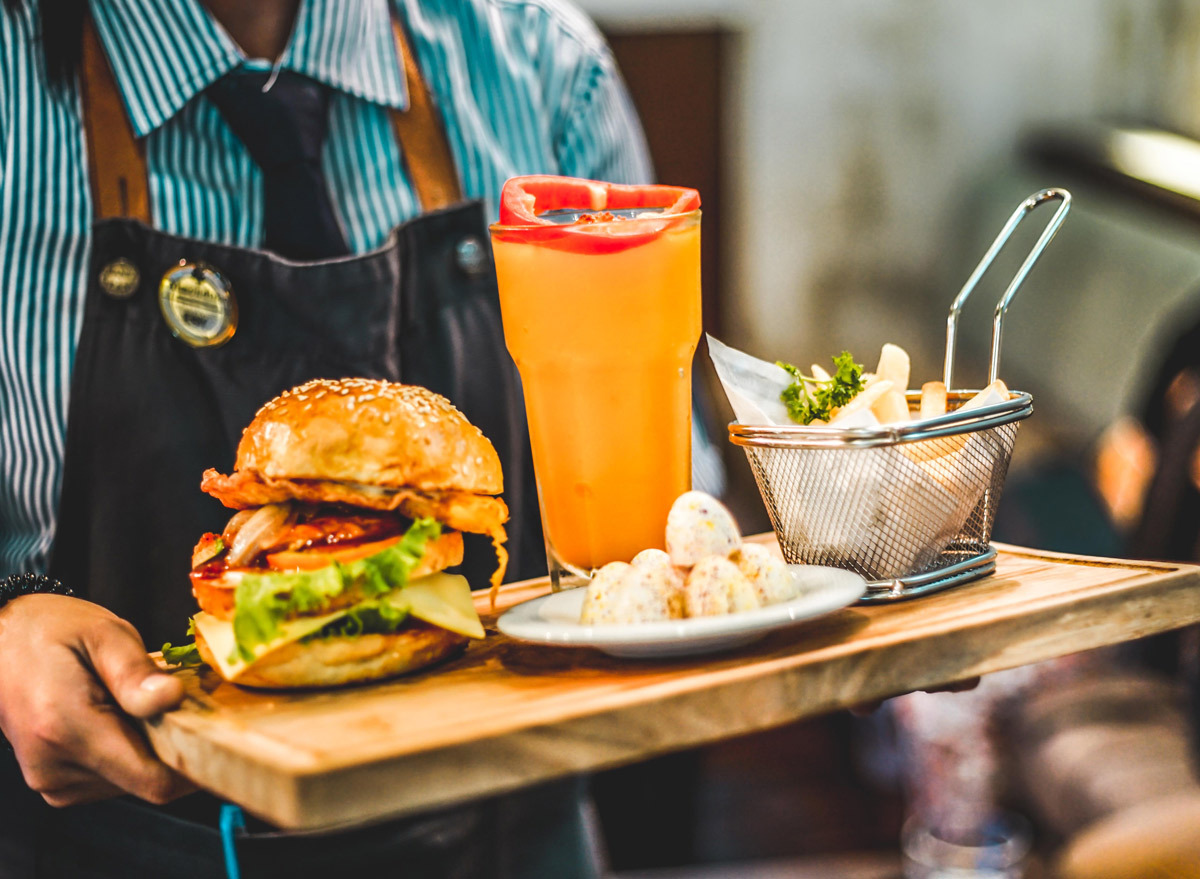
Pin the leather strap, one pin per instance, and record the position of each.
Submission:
(421, 137)
(117, 160)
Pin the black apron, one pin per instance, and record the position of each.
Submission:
(148, 414)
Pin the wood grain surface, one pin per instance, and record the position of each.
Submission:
(506, 714)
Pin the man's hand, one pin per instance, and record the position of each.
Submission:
(70, 672)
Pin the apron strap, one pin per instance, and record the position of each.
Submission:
(116, 159)
(421, 137)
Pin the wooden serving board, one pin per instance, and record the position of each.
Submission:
(507, 714)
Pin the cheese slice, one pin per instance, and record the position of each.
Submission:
(442, 600)
(219, 635)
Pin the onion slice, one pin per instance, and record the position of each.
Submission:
(235, 523)
(259, 531)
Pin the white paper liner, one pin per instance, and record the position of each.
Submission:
(753, 386)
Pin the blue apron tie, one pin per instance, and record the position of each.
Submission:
(232, 820)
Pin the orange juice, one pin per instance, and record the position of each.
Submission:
(603, 328)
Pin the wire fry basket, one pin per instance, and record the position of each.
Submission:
(910, 507)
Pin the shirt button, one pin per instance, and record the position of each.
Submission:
(198, 304)
(471, 257)
(119, 279)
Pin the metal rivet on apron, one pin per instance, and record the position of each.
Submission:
(198, 305)
(471, 256)
(119, 279)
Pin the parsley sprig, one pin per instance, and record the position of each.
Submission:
(804, 406)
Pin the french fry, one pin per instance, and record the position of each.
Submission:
(933, 400)
(942, 449)
(926, 451)
(891, 408)
(996, 392)
(894, 366)
(820, 374)
(864, 400)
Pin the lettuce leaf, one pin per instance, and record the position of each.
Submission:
(365, 618)
(262, 601)
(185, 655)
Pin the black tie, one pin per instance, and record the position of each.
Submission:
(283, 128)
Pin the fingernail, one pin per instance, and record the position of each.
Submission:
(155, 683)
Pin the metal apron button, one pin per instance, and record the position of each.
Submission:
(198, 305)
(471, 257)
(119, 279)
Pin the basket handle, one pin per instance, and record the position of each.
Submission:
(1048, 233)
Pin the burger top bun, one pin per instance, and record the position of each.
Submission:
(369, 432)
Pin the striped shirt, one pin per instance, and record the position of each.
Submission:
(527, 86)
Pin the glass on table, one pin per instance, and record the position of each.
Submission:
(996, 849)
(600, 300)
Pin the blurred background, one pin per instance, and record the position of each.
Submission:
(855, 160)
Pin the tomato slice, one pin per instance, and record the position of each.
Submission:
(311, 559)
(524, 202)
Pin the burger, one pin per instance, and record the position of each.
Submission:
(351, 496)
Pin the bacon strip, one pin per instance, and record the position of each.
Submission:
(498, 537)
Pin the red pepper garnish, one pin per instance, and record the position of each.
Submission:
(524, 202)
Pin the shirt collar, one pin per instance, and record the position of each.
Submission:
(165, 52)
(351, 47)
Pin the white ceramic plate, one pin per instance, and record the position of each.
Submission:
(554, 619)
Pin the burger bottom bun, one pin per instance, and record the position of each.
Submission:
(333, 662)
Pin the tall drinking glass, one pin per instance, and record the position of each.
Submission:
(601, 312)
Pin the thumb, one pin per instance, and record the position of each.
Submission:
(119, 659)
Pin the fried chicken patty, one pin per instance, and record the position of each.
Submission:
(460, 510)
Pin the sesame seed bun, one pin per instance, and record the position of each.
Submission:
(375, 445)
(372, 433)
(332, 662)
